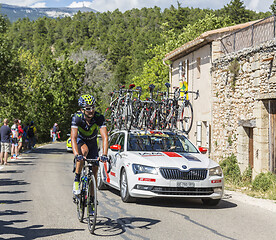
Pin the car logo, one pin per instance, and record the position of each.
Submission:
(184, 166)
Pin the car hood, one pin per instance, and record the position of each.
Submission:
(171, 159)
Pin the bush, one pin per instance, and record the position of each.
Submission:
(264, 182)
(231, 169)
(247, 175)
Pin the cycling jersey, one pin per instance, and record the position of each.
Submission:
(14, 130)
(88, 131)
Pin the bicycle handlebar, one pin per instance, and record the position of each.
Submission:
(197, 93)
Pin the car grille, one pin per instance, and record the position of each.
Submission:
(182, 191)
(177, 174)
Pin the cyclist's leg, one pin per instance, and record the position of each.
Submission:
(82, 150)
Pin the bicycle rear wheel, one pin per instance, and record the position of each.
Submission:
(128, 117)
(186, 117)
(119, 118)
(92, 203)
(81, 203)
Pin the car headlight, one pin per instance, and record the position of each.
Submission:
(137, 168)
(216, 171)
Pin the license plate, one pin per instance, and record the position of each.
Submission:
(185, 184)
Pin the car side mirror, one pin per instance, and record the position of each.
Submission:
(115, 147)
(203, 150)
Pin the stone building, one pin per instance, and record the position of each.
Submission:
(234, 70)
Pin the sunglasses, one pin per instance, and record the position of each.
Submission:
(89, 108)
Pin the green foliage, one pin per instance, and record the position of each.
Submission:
(231, 169)
(273, 7)
(154, 71)
(247, 175)
(264, 182)
(98, 78)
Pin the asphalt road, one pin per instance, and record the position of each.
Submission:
(36, 203)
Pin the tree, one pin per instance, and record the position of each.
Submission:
(236, 11)
(273, 7)
(154, 70)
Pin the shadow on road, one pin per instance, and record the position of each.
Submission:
(11, 182)
(12, 171)
(49, 150)
(22, 162)
(183, 203)
(177, 202)
(107, 227)
(11, 192)
(30, 232)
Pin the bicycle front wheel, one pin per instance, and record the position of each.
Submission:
(92, 205)
(81, 203)
(186, 117)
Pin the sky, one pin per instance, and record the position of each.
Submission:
(123, 5)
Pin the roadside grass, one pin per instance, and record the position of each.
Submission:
(262, 186)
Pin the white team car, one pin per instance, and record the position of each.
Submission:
(147, 164)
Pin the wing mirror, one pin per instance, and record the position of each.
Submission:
(203, 150)
(115, 147)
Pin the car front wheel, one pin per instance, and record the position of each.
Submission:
(124, 192)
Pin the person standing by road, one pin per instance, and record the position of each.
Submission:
(5, 133)
(14, 140)
(31, 133)
(55, 132)
(20, 136)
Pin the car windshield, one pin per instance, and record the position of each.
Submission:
(160, 142)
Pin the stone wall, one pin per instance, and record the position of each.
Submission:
(239, 103)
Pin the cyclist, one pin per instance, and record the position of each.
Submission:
(84, 130)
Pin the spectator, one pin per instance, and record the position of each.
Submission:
(31, 133)
(5, 133)
(55, 132)
(25, 137)
(14, 140)
(20, 136)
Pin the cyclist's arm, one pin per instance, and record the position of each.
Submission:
(103, 132)
(74, 135)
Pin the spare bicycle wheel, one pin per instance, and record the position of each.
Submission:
(186, 117)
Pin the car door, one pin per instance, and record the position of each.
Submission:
(118, 159)
(111, 153)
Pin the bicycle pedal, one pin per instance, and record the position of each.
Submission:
(75, 200)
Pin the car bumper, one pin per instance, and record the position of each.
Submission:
(147, 187)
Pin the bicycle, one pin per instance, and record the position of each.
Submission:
(181, 115)
(113, 114)
(88, 196)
